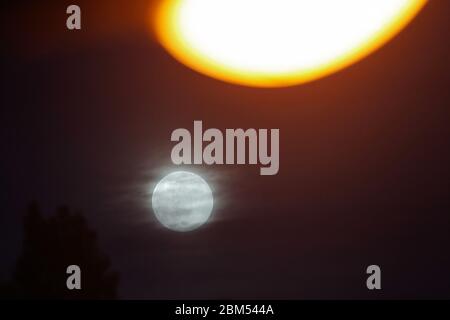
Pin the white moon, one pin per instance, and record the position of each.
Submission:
(182, 201)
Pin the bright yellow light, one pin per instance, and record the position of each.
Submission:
(272, 43)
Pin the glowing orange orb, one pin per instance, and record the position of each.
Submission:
(272, 43)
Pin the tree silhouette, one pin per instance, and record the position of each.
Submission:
(52, 244)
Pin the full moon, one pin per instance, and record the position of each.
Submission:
(182, 201)
(273, 43)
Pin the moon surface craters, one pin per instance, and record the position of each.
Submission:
(182, 201)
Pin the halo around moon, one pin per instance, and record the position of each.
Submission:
(273, 43)
(182, 201)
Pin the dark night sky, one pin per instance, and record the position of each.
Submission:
(364, 160)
